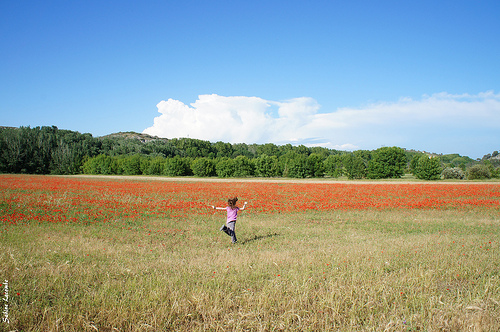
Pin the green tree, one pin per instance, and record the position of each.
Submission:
(323, 152)
(333, 165)
(478, 172)
(44, 150)
(193, 148)
(28, 150)
(302, 149)
(387, 162)
(131, 165)
(101, 164)
(267, 166)
(294, 165)
(268, 149)
(315, 166)
(242, 149)
(243, 167)
(427, 168)
(225, 167)
(354, 166)
(223, 149)
(364, 154)
(203, 167)
(494, 171)
(414, 162)
(155, 166)
(72, 150)
(178, 166)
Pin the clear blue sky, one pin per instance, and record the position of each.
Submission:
(346, 74)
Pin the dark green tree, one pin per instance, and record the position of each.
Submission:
(294, 165)
(354, 166)
(315, 166)
(243, 167)
(242, 149)
(223, 149)
(268, 149)
(333, 165)
(267, 166)
(193, 148)
(101, 164)
(427, 168)
(131, 165)
(178, 166)
(155, 166)
(203, 167)
(387, 162)
(478, 172)
(225, 167)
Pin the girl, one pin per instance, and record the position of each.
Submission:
(232, 214)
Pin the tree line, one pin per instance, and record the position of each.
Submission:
(49, 150)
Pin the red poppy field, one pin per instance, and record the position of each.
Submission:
(82, 200)
(146, 254)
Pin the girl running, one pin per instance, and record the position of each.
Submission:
(232, 214)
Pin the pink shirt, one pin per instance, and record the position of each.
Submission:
(232, 214)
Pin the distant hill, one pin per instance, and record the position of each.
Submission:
(144, 138)
(493, 158)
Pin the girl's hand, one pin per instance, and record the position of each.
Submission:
(213, 207)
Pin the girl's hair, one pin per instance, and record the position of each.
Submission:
(232, 202)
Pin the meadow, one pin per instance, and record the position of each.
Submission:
(136, 254)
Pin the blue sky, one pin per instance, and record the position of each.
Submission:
(350, 75)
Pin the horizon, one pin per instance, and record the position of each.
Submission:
(213, 142)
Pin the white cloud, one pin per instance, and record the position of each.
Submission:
(423, 124)
(234, 119)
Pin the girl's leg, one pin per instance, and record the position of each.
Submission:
(225, 230)
(231, 225)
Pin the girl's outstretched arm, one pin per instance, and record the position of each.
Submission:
(244, 206)
(218, 208)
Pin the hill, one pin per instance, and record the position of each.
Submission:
(144, 138)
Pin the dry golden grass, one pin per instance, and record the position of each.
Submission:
(339, 271)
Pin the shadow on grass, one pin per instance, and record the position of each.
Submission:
(259, 237)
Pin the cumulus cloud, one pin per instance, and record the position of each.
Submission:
(439, 121)
(235, 119)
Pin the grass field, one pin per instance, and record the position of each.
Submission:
(138, 255)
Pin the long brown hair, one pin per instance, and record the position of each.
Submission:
(232, 202)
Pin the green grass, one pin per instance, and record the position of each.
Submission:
(341, 271)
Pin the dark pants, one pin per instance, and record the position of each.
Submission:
(229, 229)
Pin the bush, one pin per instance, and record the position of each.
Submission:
(131, 165)
(243, 167)
(453, 173)
(155, 166)
(203, 167)
(478, 172)
(178, 166)
(494, 171)
(225, 167)
(267, 166)
(101, 164)
(294, 165)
